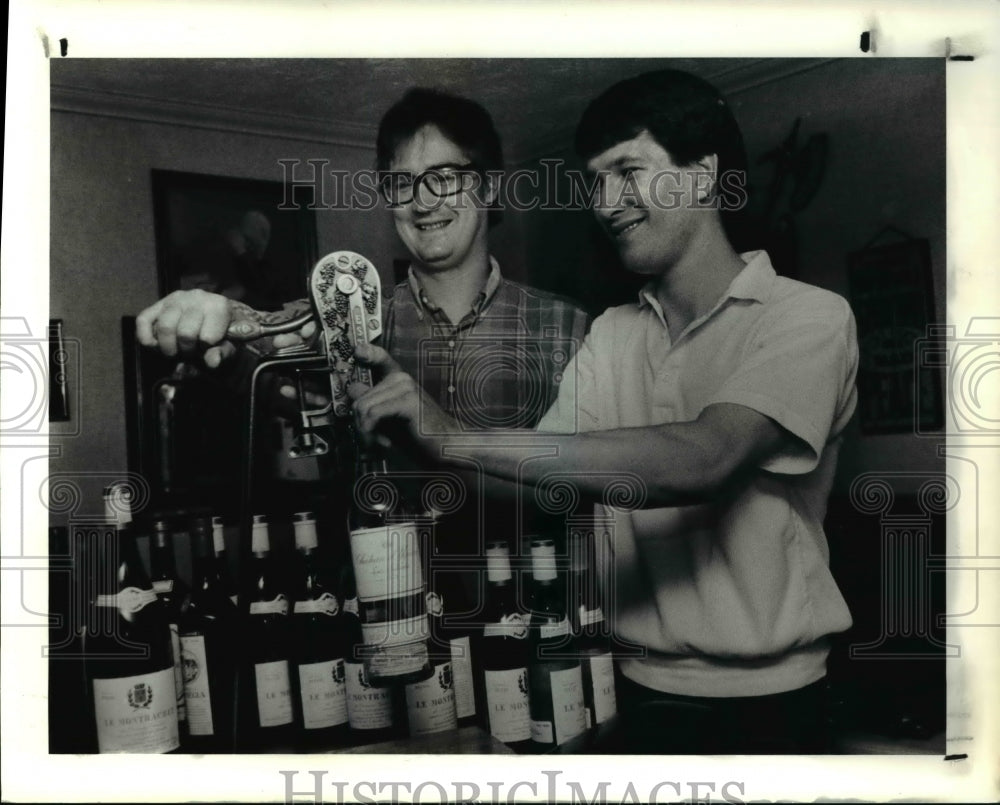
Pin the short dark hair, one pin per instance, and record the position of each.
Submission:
(463, 121)
(686, 115)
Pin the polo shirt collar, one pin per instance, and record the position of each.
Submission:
(425, 305)
(753, 282)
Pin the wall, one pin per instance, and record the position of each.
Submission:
(103, 252)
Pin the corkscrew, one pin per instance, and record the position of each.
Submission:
(345, 291)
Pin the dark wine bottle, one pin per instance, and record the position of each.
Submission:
(173, 592)
(208, 651)
(129, 663)
(554, 674)
(372, 713)
(222, 562)
(268, 647)
(502, 650)
(319, 646)
(593, 639)
(386, 556)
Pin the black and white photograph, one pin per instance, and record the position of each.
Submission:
(623, 423)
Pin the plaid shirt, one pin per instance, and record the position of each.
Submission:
(500, 366)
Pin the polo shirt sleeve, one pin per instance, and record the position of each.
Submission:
(576, 406)
(799, 369)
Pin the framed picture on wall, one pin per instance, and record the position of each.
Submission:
(892, 297)
(238, 237)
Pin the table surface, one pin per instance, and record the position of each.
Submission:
(463, 741)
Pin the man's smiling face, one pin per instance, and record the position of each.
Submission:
(439, 232)
(647, 204)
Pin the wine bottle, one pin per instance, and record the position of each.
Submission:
(503, 652)
(555, 678)
(208, 650)
(430, 703)
(319, 646)
(268, 646)
(219, 543)
(371, 712)
(593, 640)
(129, 663)
(173, 592)
(451, 638)
(386, 556)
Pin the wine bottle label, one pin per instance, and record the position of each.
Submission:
(602, 678)
(435, 604)
(197, 693)
(541, 731)
(326, 604)
(590, 616)
(461, 667)
(386, 561)
(398, 660)
(507, 704)
(324, 694)
(175, 653)
(395, 632)
(137, 713)
(368, 708)
(274, 693)
(351, 605)
(235, 599)
(430, 705)
(549, 630)
(129, 600)
(163, 586)
(512, 625)
(277, 606)
(568, 711)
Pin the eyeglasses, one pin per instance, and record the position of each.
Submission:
(399, 187)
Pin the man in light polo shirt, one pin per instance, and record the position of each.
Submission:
(725, 388)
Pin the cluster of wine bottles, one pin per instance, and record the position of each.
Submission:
(325, 654)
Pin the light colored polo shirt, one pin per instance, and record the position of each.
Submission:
(733, 597)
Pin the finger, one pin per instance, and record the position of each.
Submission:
(144, 324)
(308, 329)
(283, 340)
(188, 329)
(166, 329)
(216, 319)
(288, 391)
(219, 353)
(377, 358)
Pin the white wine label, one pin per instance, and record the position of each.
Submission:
(137, 713)
(368, 708)
(351, 605)
(568, 711)
(461, 666)
(274, 693)
(175, 652)
(435, 604)
(163, 586)
(277, 606)
(398, 659)
(324, 694)
(547, 630)
(197, 694)
(129, 601)
(589, 617)
(235, 599)
(541, 732)
(507, 704)
(386, 561)
(326, 604)
(513, 625)
(602, 676)
(395, 632)
(430, 705)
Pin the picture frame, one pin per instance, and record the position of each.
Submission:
(892, 297)
(237, 237)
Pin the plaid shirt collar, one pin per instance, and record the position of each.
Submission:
(425, 305)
